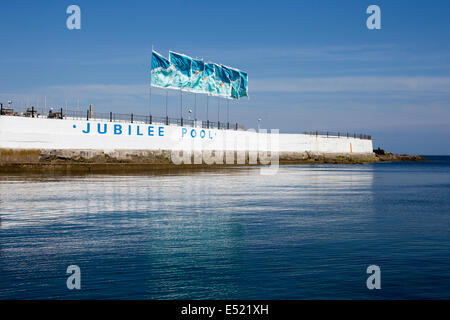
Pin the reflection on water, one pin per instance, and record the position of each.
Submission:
(307, 232)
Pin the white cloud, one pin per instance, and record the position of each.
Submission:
(353, 84)
(119, 94)
(314, 84)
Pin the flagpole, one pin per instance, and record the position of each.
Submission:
(195, 106)
(218, 112)
(228, 111)
(181, 104)
(167, 96)
(150, 98)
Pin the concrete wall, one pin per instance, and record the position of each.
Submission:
(63, 134)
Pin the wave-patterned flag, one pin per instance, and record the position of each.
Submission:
(183, 72)
(209, 79)
(243, 89)
(197, 76)
(223, 83)
(235, 79)
(162, 72)
(182, 65)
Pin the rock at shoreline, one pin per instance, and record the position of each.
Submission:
(387, 156)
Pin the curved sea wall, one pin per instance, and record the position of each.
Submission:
(40, 140)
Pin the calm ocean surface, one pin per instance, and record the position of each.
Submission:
(307, 232)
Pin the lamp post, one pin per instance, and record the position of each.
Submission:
(259, 122)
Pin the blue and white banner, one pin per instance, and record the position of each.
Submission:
(162, 72)
(183, 65)
(243, 89)
(198, 76)
(188, 74)
(209, 84)
(235, 79)
(223, 82)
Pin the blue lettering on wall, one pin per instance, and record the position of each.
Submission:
(88, 128)
(104, 128)
(117, 129)
(194, 133)
(150, 131)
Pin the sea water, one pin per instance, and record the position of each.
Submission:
(308, 232)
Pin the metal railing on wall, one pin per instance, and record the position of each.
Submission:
(329, 134)
(60, 113)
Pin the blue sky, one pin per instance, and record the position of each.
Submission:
(312, 65)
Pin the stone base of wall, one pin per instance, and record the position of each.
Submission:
(140, 160)
(314, 157)
(168, 157)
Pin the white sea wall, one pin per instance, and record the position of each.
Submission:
(65, 134)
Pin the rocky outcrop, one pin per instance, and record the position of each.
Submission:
(387, 156)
